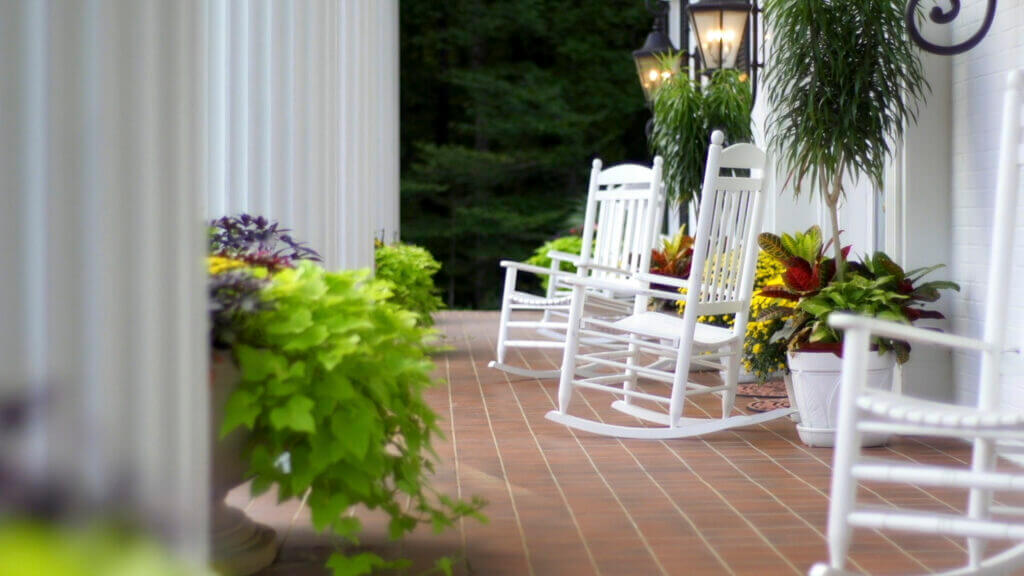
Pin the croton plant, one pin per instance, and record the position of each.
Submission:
(876, 286)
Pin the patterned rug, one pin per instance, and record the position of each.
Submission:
(768, 404)
(769, 395)
(769, 389)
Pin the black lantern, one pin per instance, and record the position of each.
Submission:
(652, 64)
(720, 27)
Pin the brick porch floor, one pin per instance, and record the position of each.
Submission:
(747, 501)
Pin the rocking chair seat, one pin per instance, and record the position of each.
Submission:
(560, 300)
(919, 412)
(670, 326)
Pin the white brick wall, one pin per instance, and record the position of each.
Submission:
(978, 81)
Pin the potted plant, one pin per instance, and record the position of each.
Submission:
(842, 80)
(685, 113)
(812, 291)
(318, 392)
(245, 252)
(410, 272)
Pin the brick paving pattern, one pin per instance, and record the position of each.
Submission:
(746, 501)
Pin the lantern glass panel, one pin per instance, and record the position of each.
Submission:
(719, 35)
(652, 74)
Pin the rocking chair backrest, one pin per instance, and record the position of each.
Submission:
(728, 223)
(624, 208)
(1011, 161)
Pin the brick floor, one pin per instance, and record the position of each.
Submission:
(745, 501)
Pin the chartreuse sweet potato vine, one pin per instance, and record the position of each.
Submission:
(410, 270)
(331, 388)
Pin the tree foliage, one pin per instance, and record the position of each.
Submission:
(503, 106)
(685, 115)
(843, 80)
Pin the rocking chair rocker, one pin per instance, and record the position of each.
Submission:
(623, 216)
(995, 431)
(720, 282)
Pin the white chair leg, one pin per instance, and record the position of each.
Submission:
(506, 310)
(629, 383)
(572, 337)
(844, 487)
(679, 380)
(730, 376)
(980, 500)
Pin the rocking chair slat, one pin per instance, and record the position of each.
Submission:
(937, 476)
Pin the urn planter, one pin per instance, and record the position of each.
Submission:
(814, 391)
(238, 546)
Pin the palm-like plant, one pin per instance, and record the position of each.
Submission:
(843, 79)
(685, 114)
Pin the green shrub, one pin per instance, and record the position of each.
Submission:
(570, 244)
(37, 549)
(410, 270)
(331, 389)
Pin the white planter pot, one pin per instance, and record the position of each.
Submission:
(815, 393)
(238, 545)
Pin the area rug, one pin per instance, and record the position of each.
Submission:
(767, 404)
(769, 389)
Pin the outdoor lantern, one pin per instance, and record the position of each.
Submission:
(720, 27)
(648, 65)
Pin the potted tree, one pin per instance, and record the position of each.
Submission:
(810, 292)
(842, 80)
(685, 114)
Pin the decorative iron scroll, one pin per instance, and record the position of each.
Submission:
(940, 16)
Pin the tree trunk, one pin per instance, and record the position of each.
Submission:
(832, 199)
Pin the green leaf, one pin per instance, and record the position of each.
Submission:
(326, 507)
(291, 322)
(241, 409)
(355, 428)
(296, 414)
(257, 364)
(357, 565)
(314, 336)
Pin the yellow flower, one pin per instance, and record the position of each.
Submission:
(219, 264)
(758, 348)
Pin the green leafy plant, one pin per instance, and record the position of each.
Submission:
(410, 271)
(685, 114)
(568, 244)
(810, 290)
(41, 549)
(843, 79)
(331, 388)
(859, 295)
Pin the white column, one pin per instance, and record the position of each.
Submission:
(304, 123)
(102, 138)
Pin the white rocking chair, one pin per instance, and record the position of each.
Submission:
(721, 282)
(994, 430)
(625, 204)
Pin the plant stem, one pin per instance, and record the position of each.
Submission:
(832, 199)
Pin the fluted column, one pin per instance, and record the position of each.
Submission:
(304, 119)
(101, 239)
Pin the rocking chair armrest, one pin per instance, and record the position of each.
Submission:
(633, 290)
(538, 270)
(906, 332)
(573, 259)
(662, 279)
